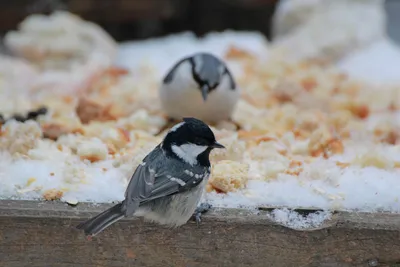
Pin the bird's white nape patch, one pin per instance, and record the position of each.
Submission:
(188, 152)
(176, 126)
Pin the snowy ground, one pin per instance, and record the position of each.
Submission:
(163, 52)
(360, 189)
(377, 63)
(368, 189)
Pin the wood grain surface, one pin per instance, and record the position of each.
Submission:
(43, 234)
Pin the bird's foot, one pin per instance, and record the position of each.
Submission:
(202, 208)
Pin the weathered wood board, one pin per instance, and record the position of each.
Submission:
(42, 234)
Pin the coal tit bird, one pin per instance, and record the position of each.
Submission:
(200, 86)
(167, 186)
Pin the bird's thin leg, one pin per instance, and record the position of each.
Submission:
(202, 208)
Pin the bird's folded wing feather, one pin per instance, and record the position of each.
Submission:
(147, 184)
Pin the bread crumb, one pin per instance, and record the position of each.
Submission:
(228, 176)
(234, 149)
(89, 110)
(18, 138)
(377, 160)
(53, 194)
(92, 150)
(323, 143)
(234, 52)
(30, 181)
(342, 164)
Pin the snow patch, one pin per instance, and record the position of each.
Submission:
(295, 220)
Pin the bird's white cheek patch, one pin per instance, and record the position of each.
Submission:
(188, 152)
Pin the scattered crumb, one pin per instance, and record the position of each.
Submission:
(309, 135)
(229, 176)
(53, 194)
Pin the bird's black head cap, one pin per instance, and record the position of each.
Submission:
(191, 131)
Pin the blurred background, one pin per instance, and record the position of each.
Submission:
(360, 37)
(393, 11)
(139, 19)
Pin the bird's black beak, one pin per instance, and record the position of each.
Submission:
(217, 145)
(204, 92)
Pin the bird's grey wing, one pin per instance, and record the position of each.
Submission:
(174, 179)
(139, 187)
(230, 76)
(148, 184)
(142, 182)
(205, 70)
(171, 178)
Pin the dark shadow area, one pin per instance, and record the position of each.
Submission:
(140, 19)
(393, 11)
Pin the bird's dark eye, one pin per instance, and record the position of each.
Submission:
(201, 142)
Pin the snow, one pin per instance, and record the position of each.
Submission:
(34, 176)
(353, 188)
(163, 52)
(324, 185)
(294, 220)
(377, 63)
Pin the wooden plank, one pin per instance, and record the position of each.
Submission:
(43, 234)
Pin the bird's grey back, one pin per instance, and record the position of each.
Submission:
(206, 69)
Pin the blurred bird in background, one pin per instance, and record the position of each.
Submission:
(199, 86)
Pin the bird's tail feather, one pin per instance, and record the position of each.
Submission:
(101, 221)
